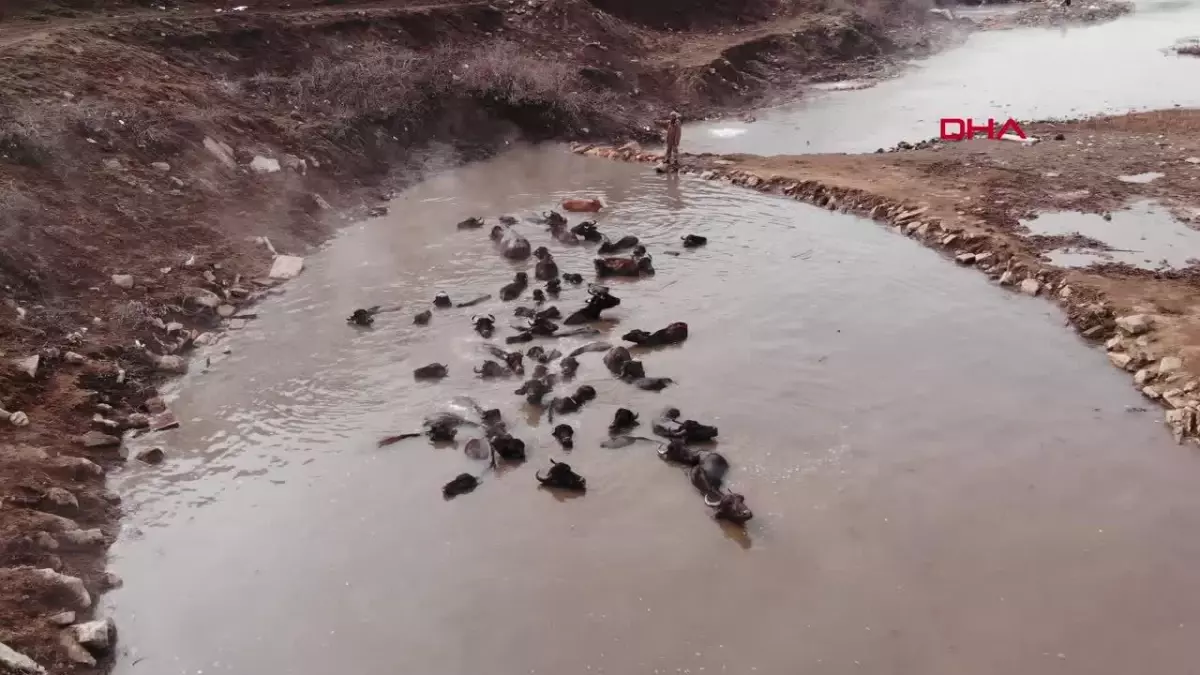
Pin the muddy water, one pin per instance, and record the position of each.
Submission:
(1030, 73)
(944, 479)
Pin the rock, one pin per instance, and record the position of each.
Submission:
(206, 298)
(632, 146)
(1151, 394)
(226, 311)
(174, 327)
(1031, 286)
(1120, 360)
(62, 498)
(97, 636)
(237, 324)
(75, 358)
(96, 439)
(161, 166)
(73, 584)
(1175, 398)
(62, 618)
(294, 163)
(28, 365)
(221, 151)
(123, 281)
(152, 456)
(112, 163)
(1134, 324)
(163, 421)
(377, 211)
(286, 267)
(965, 258)
(82, 537)
(204, 339)
(75, 651)
(48, 542)
(1007, 279)
(171, 364)
(319, 202)
(1143, 377)
(262, 164)
(1114, 343)
(1170, 364)
(984, 258)
(16, 662)
(111, 580)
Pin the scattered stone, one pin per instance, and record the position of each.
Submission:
(1120, 360)
(17, 419)
(174, 327)
(123, 281)
(1175, 398)
(97, 636)
(75, 358)
(171, 364)
(111, 580)
(319, 202)
(161, 166)
(17, 662)
(286, 267)
(226, 311)
(1031, 286)
(48, 542)
(1170, 364)
(163, 421)
(1007, 279)
(237, 324)
(73, 584)
(296, 164)
(62, 498)
(152, 456)
(62, 618)
(1151, 394)
(984, 258)
(206, 298)
(262, 164)
(1134, 324)
(221, 151)
(965, 259)
(82, 537)
(1143, 377)
(75, 651)
(1065, 292)
(96, 439)
(28, 365)
(1114, 343)
(377, 211)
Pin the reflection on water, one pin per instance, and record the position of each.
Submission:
(1032, 73)
(944, 479)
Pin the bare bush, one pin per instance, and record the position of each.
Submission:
(32, 133)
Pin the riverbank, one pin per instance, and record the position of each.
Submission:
(155, 162)
(978, 201)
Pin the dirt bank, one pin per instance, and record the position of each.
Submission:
(969, 199)
(154, 157)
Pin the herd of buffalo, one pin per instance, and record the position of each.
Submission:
(624, 257)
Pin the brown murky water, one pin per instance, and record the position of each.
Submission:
(945, 480)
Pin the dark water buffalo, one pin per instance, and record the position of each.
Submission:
(507, 220)
(616, 359)
(569, 404)
(422, 318)
(491, 369)
(507, 447)
(565, 435)
(572, 278)
(433, 371)
(554, 219)
(563, 477)
(668, 425)
(553, 288)
(512, 245)
(442, 301)
(624, 243)
(484, 325)
(514, 360)
(671, 335)
(363, 317)
(461, 485)
(442, 427)
(587, 231)
(624, 267)
(694, 241)
(546, 269)
(473, 223)
(535, 390)
(539, 296)
(600, 299)
(731, 507)
(623, 420)
(708, 476)
(513, 289)
(569, 365)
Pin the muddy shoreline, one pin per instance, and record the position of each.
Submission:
(157, 227)
(1144, 318)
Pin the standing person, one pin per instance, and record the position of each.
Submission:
(673, 135)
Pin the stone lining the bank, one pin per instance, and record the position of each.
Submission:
(1127, 339)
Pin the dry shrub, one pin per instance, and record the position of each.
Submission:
(32, 133)
(1190, 50)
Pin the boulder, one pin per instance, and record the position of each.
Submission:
(97, 636)
(161, 166)
(1134, 324)
(965, 258)
(97, 439)
(62, 498)
(152, 456)
(62, 618)
(262, 164)
(1007, 279)
(28, 365)
(73, 584)
(226, 311)
(171, 364)
(1170, 364)
(1031, 286)
(82, 537)
(1120, 360)
(286, 267)
(75, 651)
(1143, 377)
(16, 662)
(123, 281)
(221, 151)
(75, 358)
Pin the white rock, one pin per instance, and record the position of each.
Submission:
(82, 537)
(1151, 394)
(1134, 324)
(1031, 286)
(296, 164)
(28, 365)
(204, 339)
(1170, 364)
(74, 584)
(1007, 279)
(206, 298)
(161, 166)
(75, 651)
(1114, 343)
(62, 618)
(96, 635)
(97, 439)
(237, 324)
(226, 311)
(75, 358)
(174, 327)
(1120, 360)
(984, 258)
(17, 662)
(1143, 377)
(965, 259)
(171, 364)
(286, 267)
(123, 280)
(221, 151)
(262, 164)
(62, 498)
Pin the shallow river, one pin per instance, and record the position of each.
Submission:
(945, 480)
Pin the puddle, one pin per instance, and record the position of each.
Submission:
(1145, 235)
(1147, 177)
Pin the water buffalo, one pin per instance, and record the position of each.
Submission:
(565, 435)
(363, 317)
(569, 365)
(461, 485)
(491, 369)
(623, 420)
(587, 231)
(433, 371)
(507, 220)
(553, 288)
(561, 476)
(515, 288)
(668, 425)
(693, 241)
(546, 269)
(507, 447)
(484, 325)
(673, 334)
(535, 390)
(599, 301)
(512, 245)
(472, 223)
(554, 219)
(569, 404)
(731, 507)
(616, 359)
(636, 266)
(572, 278)
(514, 360)
(539, 296)
(442, 301)
(626, 242)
